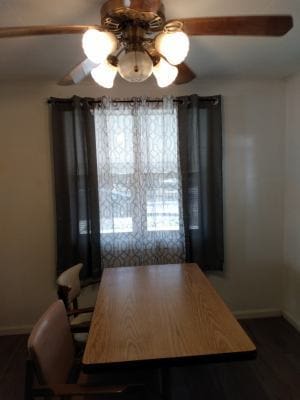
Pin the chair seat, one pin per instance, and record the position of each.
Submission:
(80, 337)
(81, 320)
(119, 377)
(84, 318)
(113, 380)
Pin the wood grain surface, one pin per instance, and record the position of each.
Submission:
(20, 31)
(160, 312)
(248, 25)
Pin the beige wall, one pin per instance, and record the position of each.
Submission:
(292, 204)
(254, 115)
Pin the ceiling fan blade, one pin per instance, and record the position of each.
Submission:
(78, 73)
(18, 31)
(185, 74)
(259, 25)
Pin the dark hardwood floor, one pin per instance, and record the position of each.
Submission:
(274, 375)
(12, 367)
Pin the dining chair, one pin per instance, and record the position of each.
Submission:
(68, 290)
(51, 366)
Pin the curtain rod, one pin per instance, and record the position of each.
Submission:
(51, 100)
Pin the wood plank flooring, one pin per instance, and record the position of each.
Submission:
(274, 375)
(12, 367)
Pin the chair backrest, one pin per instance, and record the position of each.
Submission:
(50, 346)
(70, 281)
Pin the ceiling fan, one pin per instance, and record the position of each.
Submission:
(136, 40)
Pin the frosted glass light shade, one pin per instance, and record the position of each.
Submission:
(165, 73)
(135, 66)
(98, 45)
(174, 46)
(104, 74)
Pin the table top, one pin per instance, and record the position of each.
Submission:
(159, 313)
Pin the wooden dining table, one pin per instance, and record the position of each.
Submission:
(161, 315)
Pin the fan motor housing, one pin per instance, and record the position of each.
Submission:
(118, 14)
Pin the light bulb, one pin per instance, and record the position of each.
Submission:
(165, 73)
(104, 74)
(174, 46)
(97, 45)
(135, 66)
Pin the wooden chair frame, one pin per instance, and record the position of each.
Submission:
(67, 390)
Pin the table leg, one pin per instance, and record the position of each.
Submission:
(165, 383)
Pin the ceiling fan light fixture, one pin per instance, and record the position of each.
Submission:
(135, 66)
(97, 45)
(165, 73)
(104, 74)
(173, 45)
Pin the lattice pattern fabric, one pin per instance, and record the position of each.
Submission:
(139, 183)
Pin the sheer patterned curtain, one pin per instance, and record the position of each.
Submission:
(139, 182)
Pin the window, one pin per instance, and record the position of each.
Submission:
(118, 192)
(126, 179)
(138, 179)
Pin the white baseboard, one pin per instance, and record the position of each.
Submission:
(15, 330)
(291, 320)
(261, 313)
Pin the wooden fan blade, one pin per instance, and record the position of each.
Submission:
(18, 31)
(260, 25)
(185, 74)
(78, 73)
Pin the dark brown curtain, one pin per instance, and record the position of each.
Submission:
(200, 143)
(76, 188)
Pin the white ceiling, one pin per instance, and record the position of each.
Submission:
(209, 57)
